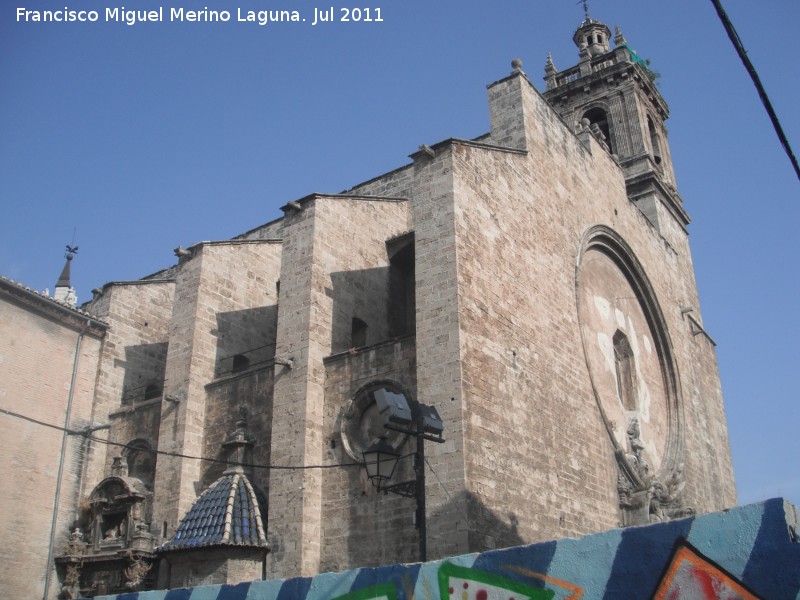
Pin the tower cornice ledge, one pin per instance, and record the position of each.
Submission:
(640, 185)
(298, 204)
(621, 73)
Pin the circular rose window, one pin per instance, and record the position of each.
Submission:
(627, 353)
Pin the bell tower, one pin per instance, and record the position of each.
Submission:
(613, 93)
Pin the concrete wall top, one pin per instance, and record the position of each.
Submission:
(746, 553)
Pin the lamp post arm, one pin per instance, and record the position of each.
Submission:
(406, 430)
(415, 433)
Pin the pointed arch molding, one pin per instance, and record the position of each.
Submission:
(615, 297)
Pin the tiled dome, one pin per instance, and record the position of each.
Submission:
(228, 513)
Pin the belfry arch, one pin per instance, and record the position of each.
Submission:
(598, 116)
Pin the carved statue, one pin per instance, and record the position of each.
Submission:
(644, 498)
(666, 502)
(70, 588)
(636, 455)
(75, 546)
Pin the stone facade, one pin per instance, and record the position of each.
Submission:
(131, 377)
(224, 566)
(534, 285)
(49, 359)
(225, 297)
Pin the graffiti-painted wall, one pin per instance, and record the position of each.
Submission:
(744, 553)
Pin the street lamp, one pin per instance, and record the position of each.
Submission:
(380, 459)
(412, 418)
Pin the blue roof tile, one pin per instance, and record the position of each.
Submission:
(228, 513)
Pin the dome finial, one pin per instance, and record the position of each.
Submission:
(239, 446)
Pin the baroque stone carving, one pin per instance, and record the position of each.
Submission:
(136, 572)
(70, 586)
(644, 498)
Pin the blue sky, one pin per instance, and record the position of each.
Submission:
(140, 138)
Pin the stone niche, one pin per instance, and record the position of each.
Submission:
(116, 552)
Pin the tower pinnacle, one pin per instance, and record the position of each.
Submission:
(64, 290)
(594, 35)
(614, 92)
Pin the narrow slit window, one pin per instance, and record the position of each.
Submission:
(240, 363)
(625, 370)
(655, 143)
(358, 333)
(152, 391)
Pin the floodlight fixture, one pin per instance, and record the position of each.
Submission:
(430, 420)
(394, 407)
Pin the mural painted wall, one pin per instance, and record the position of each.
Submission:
(745, 553)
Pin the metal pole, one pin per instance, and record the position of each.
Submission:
(419, 467)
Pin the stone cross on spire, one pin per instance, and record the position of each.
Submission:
(585, 8)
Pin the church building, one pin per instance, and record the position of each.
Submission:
(533, 285)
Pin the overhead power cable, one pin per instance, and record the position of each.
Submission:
(449, 497)
(737, 43)
(88, 435)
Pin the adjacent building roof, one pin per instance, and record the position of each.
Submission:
(57, 309)
(228, 513)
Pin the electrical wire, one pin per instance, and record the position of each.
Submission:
(449, 497)
(737, 43)
(87, 434)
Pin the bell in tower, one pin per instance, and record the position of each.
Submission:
(612, 93)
